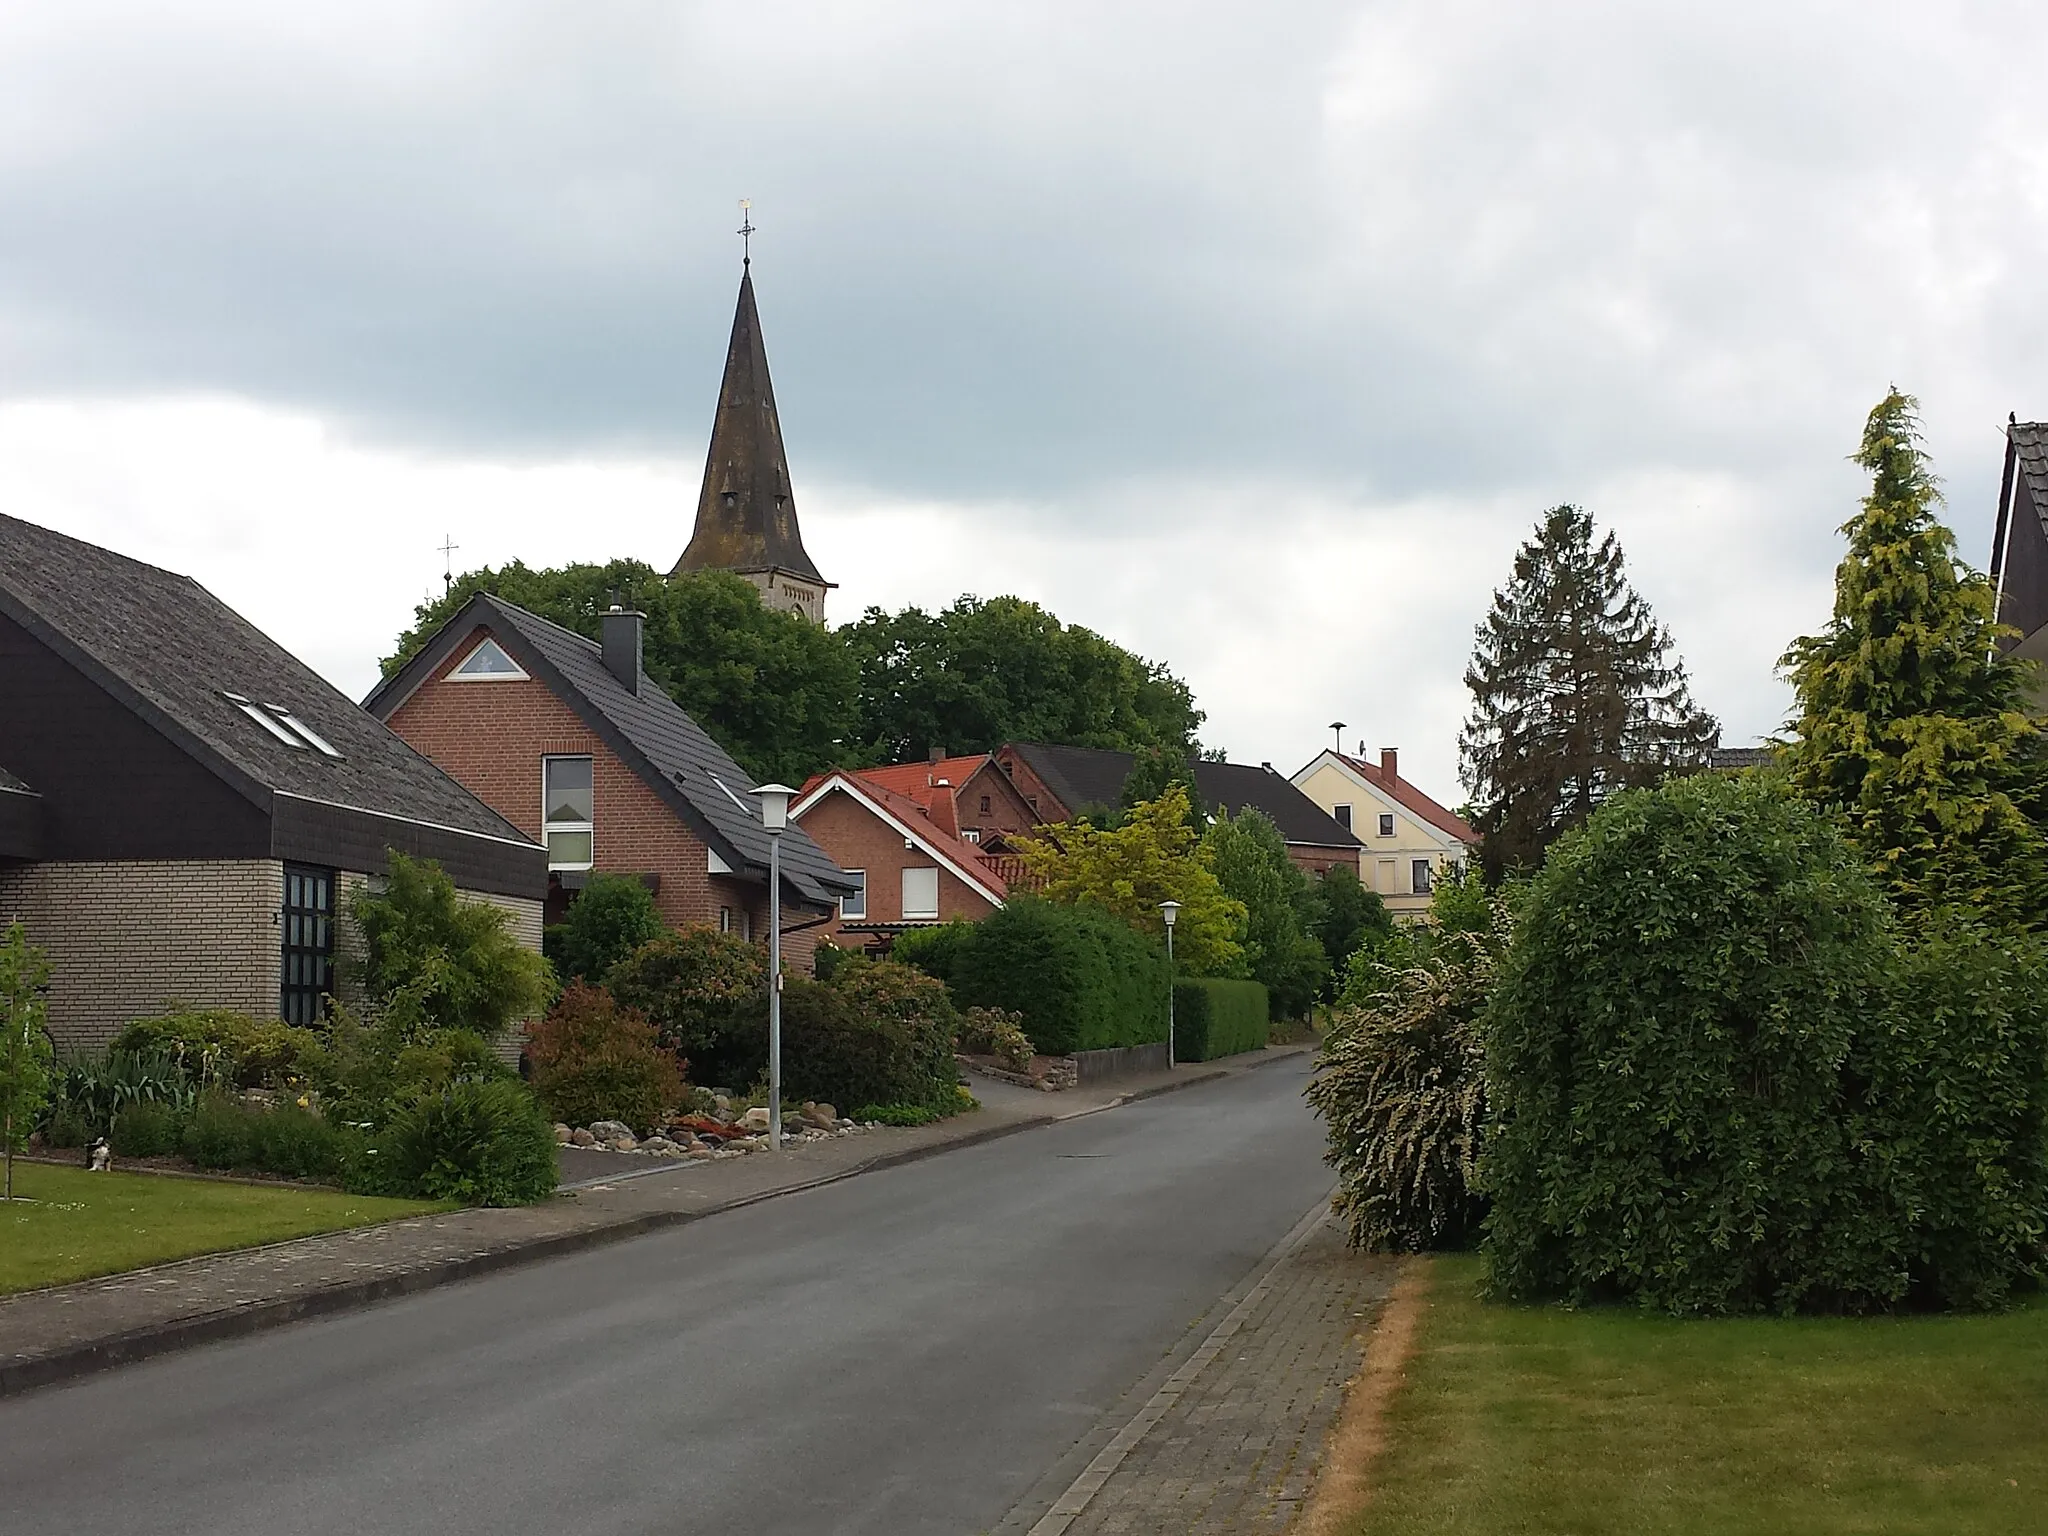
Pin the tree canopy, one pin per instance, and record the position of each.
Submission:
(1574, 694)
(1912, 721)
(1250, 860)
(1153, 856)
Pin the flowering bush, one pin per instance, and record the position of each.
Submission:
(996, 1032)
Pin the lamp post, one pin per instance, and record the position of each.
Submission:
(1169, 909)
(774, 818)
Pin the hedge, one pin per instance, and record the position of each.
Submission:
(1213, 1017)
(1082, 980)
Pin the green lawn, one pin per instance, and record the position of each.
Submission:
(78, 1224)
(1543, 1420)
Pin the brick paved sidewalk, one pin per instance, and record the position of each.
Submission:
(54, 1334)
(1238, 1450)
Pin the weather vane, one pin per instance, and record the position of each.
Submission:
(448, 548)
(746, 232)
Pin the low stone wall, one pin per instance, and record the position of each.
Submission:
(1119, 1061)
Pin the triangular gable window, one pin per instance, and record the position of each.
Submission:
(487, 663)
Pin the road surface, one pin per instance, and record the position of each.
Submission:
(914, 1350)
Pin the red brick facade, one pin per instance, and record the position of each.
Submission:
(490, 736)
(856, 838)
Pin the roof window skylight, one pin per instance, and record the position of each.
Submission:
(284, 725)
(267, 720)
(745, 808)
(318, 742)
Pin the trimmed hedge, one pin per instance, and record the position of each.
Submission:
(1214, 1017)
(879, 1033)
(1082, 980)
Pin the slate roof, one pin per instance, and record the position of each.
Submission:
(1087, 777)
(9, 782)
(746, 511)
(1728, 759)
(1415, 800)
(170, 650)
(648, 730)
(2030, 450)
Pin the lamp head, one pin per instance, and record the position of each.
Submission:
(1169, 910)
(774, 800)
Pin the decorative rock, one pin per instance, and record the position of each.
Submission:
(581, 1138)
(821, 1115)
(622, 1143)
(755, 1119)
(611, 1130)
(661, 1146)
(562, 1135)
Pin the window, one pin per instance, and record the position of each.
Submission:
(920, 893)
(984, 805)
(1386, 826)
(567, 812)
(1421, 876)
(856, 904)
(307, 918)
(725, 919)
(488, 663)
(314, 739)
(1342, 813)
(284, 725)
(971, 834)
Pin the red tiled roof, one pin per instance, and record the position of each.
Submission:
(911, 817)
(916, 780)
(1416, 801)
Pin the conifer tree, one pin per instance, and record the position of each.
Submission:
(1574, 694)
(1912, 721)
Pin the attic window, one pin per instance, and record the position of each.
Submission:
(745, 808)
(284, 725)
(487, 663)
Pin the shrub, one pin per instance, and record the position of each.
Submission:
(297, 1143)
(697, 987)
(896, 1114)
(67, 1127)
(219, 1133)
(611, 917)
(479, 1143)
(1214, 1017)
(1080, 979)
(24, 1045)
(827, 958)
(995, 1032)
(434, 959)
(903, 1026)
(1401, 1083)
(594, 1060)
(935, 950)
(220, 1045)
(147, 1130)
(360, 1069)
(95, 1089)
(1666, 1047)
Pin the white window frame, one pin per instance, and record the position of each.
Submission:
(457, 675)
(589, 826)
(921, 914)
(855, 906)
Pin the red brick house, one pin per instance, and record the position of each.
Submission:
(910, 857)
(569, 740)
(987, 806)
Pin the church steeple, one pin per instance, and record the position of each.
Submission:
(746, 513)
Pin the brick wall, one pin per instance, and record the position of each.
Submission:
(490, 737)
(855, 838)
(1311, 859)
(128, 940)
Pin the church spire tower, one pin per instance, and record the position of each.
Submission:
(746, 514)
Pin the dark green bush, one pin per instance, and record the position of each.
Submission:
(298, 1144)
(219, 1133)
(147, 1130)
(1215, 1017)
(594, 1060)
(934, 950)
(220, 1045)
(67, 1127)
(896, 1114)
(611, 917)
(479, 1143)
(1081, 979)
(827, 958)
(1719, 1083)
(93, 1089)
(904, 1024)
(361, 1069)
(697, 987)
(1401, 1083)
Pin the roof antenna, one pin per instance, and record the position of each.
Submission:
(1338, 727)
(746, 232)
(448, 548)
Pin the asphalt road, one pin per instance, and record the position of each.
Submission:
(909, 1351)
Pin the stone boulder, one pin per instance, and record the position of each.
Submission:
(581, 1138)
(755, 1119)
(562, 1135)
(612, 1130)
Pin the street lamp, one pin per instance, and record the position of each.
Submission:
(1169, 909)
(774, 818)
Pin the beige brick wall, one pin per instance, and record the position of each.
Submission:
(127, 940)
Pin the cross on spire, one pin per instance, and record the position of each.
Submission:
(746, 232)
(448, 546)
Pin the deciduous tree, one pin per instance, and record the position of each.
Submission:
(1250, 860)
(24, 1045)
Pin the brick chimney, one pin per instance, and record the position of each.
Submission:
(944, 813)
(621, 640)
(938, 753)
(1390, 764)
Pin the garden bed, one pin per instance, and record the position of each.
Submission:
(75, 1225)
(1617, 1423)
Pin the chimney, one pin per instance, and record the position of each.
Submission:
(1390, 759)
(944, 814)
(938, 753)
(622, 628)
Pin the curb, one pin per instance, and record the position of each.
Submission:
(166, 1338)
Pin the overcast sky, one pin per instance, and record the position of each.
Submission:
(1255, 337)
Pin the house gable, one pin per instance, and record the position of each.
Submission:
(882, 835)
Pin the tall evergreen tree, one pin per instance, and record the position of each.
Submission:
(1574, 694)
(1912, 722)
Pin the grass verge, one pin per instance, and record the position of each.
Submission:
(76, 1225)
(1541, 1420)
